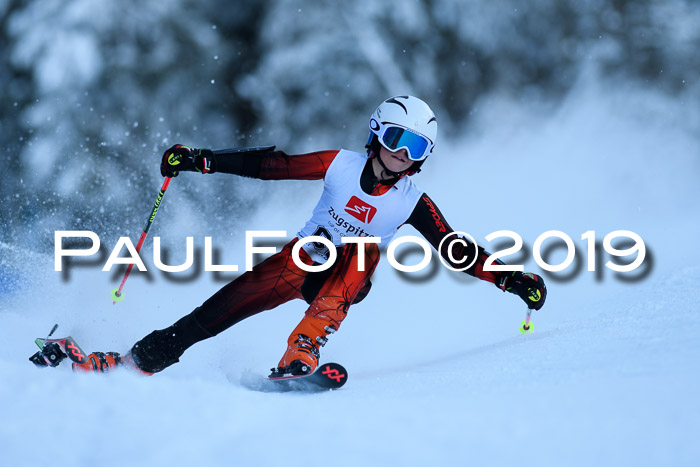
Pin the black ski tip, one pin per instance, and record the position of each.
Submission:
(327, 376)
(331, 375)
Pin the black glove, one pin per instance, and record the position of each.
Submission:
(181, 158)
(530, 287)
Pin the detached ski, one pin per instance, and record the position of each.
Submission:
(326, 377)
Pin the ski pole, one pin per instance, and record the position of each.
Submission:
(117, 293)
(526, 326)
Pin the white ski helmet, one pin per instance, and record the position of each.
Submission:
(404, 122)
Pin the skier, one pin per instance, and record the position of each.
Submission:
(368, 194)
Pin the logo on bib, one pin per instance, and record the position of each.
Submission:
(360, 210)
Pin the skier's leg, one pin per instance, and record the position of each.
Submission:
(157, 351)
(271, 283)
(328, 309)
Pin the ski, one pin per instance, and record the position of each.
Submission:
(328, 376)
(53, 351)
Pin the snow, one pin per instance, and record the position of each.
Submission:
(439, 374)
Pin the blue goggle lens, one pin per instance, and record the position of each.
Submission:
(395, 138)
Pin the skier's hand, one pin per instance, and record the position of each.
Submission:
(530, 287)
(181, 158)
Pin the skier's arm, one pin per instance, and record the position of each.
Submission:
(427, 219)
(276, 165)
(263, 163)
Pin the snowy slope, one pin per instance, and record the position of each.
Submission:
(439, 374)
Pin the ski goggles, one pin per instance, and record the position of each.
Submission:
(394, 138)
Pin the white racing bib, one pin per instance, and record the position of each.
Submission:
(344, 210)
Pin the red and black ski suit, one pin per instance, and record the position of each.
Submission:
(278, 279)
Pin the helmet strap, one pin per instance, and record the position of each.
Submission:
(390, 173)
